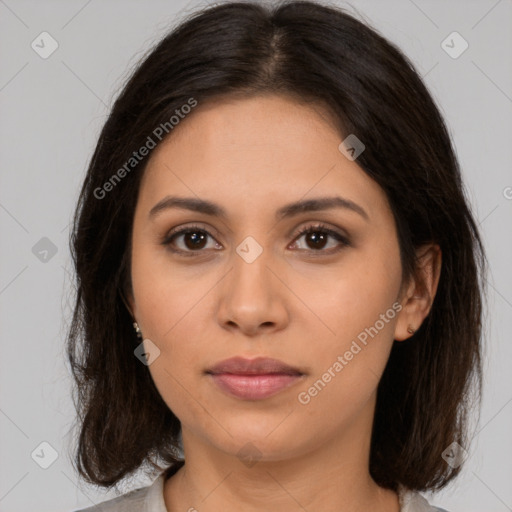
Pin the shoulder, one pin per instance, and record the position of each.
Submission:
(413, 501)
(131, 501)
(149, 498)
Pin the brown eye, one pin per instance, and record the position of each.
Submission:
(194, 239)
(317, 238)
(188, 240)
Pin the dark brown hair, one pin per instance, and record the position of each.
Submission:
(313, 53)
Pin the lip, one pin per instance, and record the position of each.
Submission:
(256, 366)
(253, 379)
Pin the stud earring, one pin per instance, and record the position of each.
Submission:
(410, 330)
(137, 330)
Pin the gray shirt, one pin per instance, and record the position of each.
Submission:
(151, 499)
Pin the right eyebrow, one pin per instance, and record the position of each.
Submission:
(188, 203)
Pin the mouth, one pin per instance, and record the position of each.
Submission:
(253, 379)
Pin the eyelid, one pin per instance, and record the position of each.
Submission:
(210, 230)
(321, 226)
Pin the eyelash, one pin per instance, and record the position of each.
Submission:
(315, 228)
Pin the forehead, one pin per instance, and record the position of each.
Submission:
(269, 128)
(248, 153)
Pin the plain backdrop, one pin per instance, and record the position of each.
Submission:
(51, 112)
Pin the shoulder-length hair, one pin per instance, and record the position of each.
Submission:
(321, 55)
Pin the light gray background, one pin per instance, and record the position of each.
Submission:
(51, 113)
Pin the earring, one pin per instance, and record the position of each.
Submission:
(137, 330)
(410, 330)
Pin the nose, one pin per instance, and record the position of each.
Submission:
(253, 298)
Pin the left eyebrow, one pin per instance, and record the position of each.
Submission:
(289, 210)
(318, 204)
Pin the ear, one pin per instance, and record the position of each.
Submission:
(420, 291)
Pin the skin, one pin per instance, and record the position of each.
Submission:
(293, 302)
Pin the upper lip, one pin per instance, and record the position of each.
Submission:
(257, 366)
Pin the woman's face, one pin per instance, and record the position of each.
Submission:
(247, 284)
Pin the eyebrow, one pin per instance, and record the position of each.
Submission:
(289, 210)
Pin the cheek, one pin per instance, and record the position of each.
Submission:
(171, 303)
(169, 308)
(165, 293)
(358, 312)
(357, 293)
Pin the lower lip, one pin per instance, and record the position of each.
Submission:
(254, 387)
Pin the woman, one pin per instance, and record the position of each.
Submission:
(279, 278)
